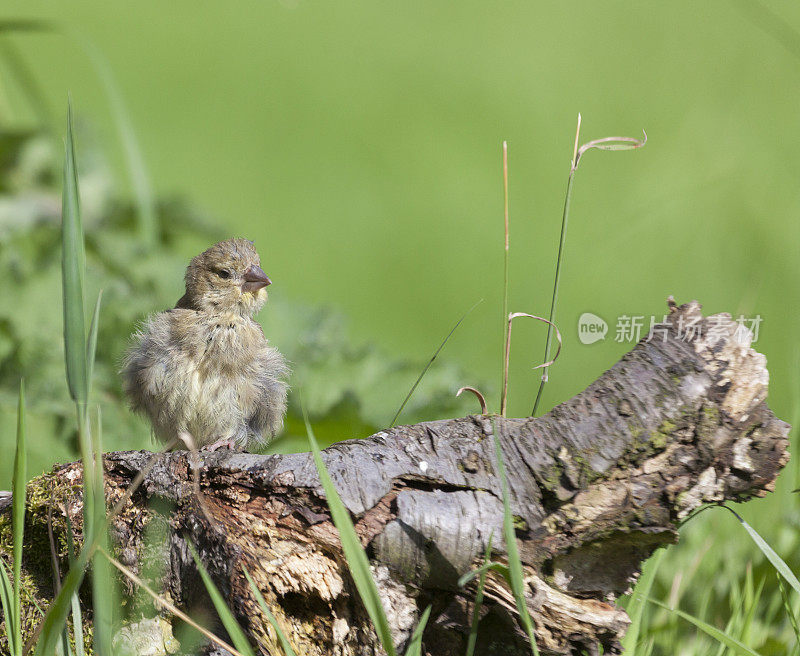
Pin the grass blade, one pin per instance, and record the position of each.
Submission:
(476, 609)
(354, 554)
(561, 241)
(105, 596)
(29, 86)
(285, 644)
(166, 604)
(7, 603)
(478, 571)
(507, 355)
(91, 341)
(430, 362)
(56, 616)
(18, 512)
(720, 636)
(514, 563)
(415, 646)
(606, 143)
(143, 195)
(506, 327)
(77, 618)
(787, 606)
(637, 604)
(228, 620)
(73, 265)
(775, 559)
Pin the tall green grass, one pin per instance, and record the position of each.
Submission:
(430, 362)
(228, 620)
(354, 554)
(288, 650)
(11, 587)
(79, 358)
(516, 576)
(606, 143)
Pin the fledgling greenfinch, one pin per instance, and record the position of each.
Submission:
(205, 367)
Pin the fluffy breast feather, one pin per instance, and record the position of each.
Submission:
(215, 376)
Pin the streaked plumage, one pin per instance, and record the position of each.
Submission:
(205, 367)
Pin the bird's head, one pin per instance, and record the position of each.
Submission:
(226, 278)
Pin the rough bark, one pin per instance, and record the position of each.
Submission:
(597, 484)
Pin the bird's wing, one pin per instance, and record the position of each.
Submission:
(153, 361)
(185, 303)
(270, 372)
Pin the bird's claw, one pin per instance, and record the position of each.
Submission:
(227, 443)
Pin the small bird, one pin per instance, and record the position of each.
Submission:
(205, 367)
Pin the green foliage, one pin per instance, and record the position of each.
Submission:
(354, 554)
(476, 610)
(509, 534)
(18, 514)
(73, 267)
(285, 644)
(11, 587)
(7, 593)
(225, 614)
(415, 645)
(720, 636)
(77, 616)
(787, 607)
(636, 604)
(783, 569)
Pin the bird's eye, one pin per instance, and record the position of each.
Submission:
(224, 274)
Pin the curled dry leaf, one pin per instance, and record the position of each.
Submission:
(476, 392)
(511, 318)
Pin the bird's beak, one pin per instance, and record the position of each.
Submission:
(254, 279)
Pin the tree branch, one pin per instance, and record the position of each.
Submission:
(597, 485)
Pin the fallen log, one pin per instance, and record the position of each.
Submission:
(597, 484)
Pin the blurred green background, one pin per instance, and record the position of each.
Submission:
(359, 145)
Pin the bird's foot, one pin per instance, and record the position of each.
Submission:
(226, 443)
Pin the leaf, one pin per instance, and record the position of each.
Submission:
(18, 510)
(73, 265)
(415, 646)
(354, 554)
(430, 362)
(718, 635)
(636, 606)
(476, 609)
(612, 143)
(787, 606)
(7, 603)
(91, 342)
(287, 646)
(228, 620)
(105, 597)
(479, 571)
(775, 559)
(514, 562)
(56, 616)
(77, 620)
